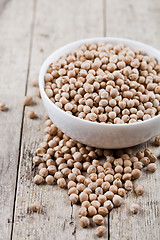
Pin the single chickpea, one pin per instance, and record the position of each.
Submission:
(35, 207)
(49, 179)
(145, 161)
(43, 172)
(113, 188)
(126, 176)
(121, 192)
(117, 200)
(38, 179)
(98, 219)
(27, 100)
(152, 167)
(61, 182)
(108, 204)
(92, 211)
(82, 212)
(136, 173)
(134, 208)
(103, 211)
(128, 185)
(2, 106)
(86, 204)
(84, 222)
(83, 197)
(73, 198)
(157, 141)
(139, 190)
(95, 203)
(31, 114)
(102, 199)
(100, 231)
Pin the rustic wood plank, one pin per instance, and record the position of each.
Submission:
(137, 20)
(56, 24)
(14, 52)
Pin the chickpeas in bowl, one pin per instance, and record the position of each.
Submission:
(109, 82)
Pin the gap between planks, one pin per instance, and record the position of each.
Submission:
(22, 121)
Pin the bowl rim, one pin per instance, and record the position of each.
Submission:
(112, 40)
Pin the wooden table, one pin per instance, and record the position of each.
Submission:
(29, 31)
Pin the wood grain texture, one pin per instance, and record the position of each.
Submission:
(137, 20)
(14, 51)
(56, 24)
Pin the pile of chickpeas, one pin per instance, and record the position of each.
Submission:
(96, 179)
(105, 83)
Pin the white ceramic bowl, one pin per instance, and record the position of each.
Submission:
(99, 135)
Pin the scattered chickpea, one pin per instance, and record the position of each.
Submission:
(136, 173)
(157, 141)
(31, 114)
(34, 83)
(103, 211)
(92, 211)
(43, 172)
(108, 204)
(38, 179)
(35, 207)
(121, 192)
(82, 212)
(61, 182)
(139, 190)
(100, 231)
(128, 185)
(117, 200)
(134, 208)
(152, 167)
(2, 106)
(84, 222)
(73, 198)
(49, 179)
(98, 219)
(37, 160)
(27, 100)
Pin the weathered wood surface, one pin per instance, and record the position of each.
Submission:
(56, 23)
(29, 32)
(137, 20)
(14, 53)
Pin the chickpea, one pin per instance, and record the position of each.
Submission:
(27, 100)
(83, 197)
(136, 173)
(2, 106)
(38, 179)
(152, 167)
(61, 182)
(108, 204)
(35, 207)
(84, 222)
(43, 172)
(82, 212)
(128, 185)
(139, 190)
(157, 141)
(98, 219)
(31, 114)
(92, 211)
(103, 211)
(49, 179)
(117, 200)
(100, 231)
(134, 208)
